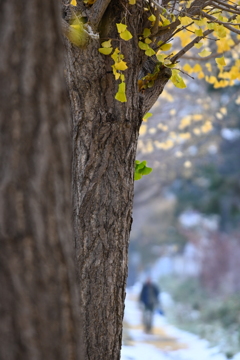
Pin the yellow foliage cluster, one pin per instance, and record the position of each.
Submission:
(191, 32)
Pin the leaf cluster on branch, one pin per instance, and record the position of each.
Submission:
(194, 30)
(170, 30)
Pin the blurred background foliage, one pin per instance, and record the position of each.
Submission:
(186, 228)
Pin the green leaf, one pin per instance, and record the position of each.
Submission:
(141, 165)
(137, 176)
(105, 50)
(146, 170)
(141, 169)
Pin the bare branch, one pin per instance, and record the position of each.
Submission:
(189, 46)
(225, 8)
(150, 95)
(162, 9)
(97, 11)
(212, 56)
(226, 25)
(229, 6)
(197, 7)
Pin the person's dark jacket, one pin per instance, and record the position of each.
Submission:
(149, 295)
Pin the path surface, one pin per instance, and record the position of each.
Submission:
(164, 343)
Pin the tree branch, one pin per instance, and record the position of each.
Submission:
(97, 11)
(226, 25)
(212, 56)
(189, 46)
(150, 95)
(229, 6)
(225, 8)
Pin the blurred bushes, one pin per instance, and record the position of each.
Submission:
(215, 318)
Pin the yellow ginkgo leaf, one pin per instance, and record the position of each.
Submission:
(73, 3)
(200, 22)
(105, 50)
(77, 35)
(152, 18)
(107, 44)
(198, 45)
(220, 61)
(211, 79)
(116, 73)
(220, 30)
(197, 68)
(143, 46)
(121, 94)
(161, 57)
(204, 53)
(126, 35)
(132, 2)
(187, 68)
(199, 32)
(148, 41)
(209, 67)
(165, 21)
(166, 47)
(121, 27)
(147, 116)
(121, 65)
(211, 26)
(116, 56)
(177, 80)
(150, 52)
(146, 32)
(185, 20)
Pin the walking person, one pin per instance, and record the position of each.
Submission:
(149, 299)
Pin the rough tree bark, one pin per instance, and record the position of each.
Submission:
(105, 134)
(38, 302)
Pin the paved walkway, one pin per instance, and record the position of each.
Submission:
(164, 343)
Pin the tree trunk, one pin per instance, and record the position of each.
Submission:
(105, 134)
(38, 302)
